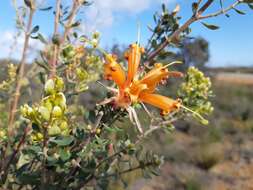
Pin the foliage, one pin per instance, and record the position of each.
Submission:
(53, 142)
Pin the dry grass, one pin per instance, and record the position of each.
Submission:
(234, 78)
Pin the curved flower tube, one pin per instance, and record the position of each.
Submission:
(114, 71)
(164, 103)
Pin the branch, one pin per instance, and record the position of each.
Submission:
(14, 153)
(20, 75)
(127, 170)
(110, 157)
(176, 34)
(205, 6)
(223, 11)
(70, 20)
(154, 128)
(53, 62)
(44, 169)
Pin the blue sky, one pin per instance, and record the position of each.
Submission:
(117, 20)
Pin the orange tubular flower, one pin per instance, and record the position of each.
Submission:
(132, 90)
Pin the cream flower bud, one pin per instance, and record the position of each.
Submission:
(54, 130)
(50, 86)
(47, 103)
(45, 113)
(2, 134)
(94, 43)
(64, 125)
(60, 100)
(59, 84)
(57, 111)
(26, 110)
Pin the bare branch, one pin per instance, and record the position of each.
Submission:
(53, 62)
(72, 15)
(222, 11)
(205, 6)
(14, 103)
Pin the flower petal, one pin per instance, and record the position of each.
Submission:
(156, 75)
(114, 71)
(133, 56)
(164, 103)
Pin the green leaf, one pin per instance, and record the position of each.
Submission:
(56, 39)
(77, 23)
(250, 6)
(33, 150)
(154, 18)
(163, 7)
(92, 116)
(221, 4)
(110, 129)
(23, 159)
(75, 35)
(155, 171)
(40, 37)
(46, 8)
(210, 26)
(51, 161)
(29, 178)
(239, 11)
(43, 65)
(194, 7)
(63, 141)
(42, 77)
(64, 155)
(35, 29)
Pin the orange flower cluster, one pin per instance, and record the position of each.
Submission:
(131, 89)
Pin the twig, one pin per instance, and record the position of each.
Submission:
(223, 11)
(109, 158)
(53, 62)
(20, 75)
(70, 20)
(126, 171)
(14, 153)
(199, 1)
(44, 170)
